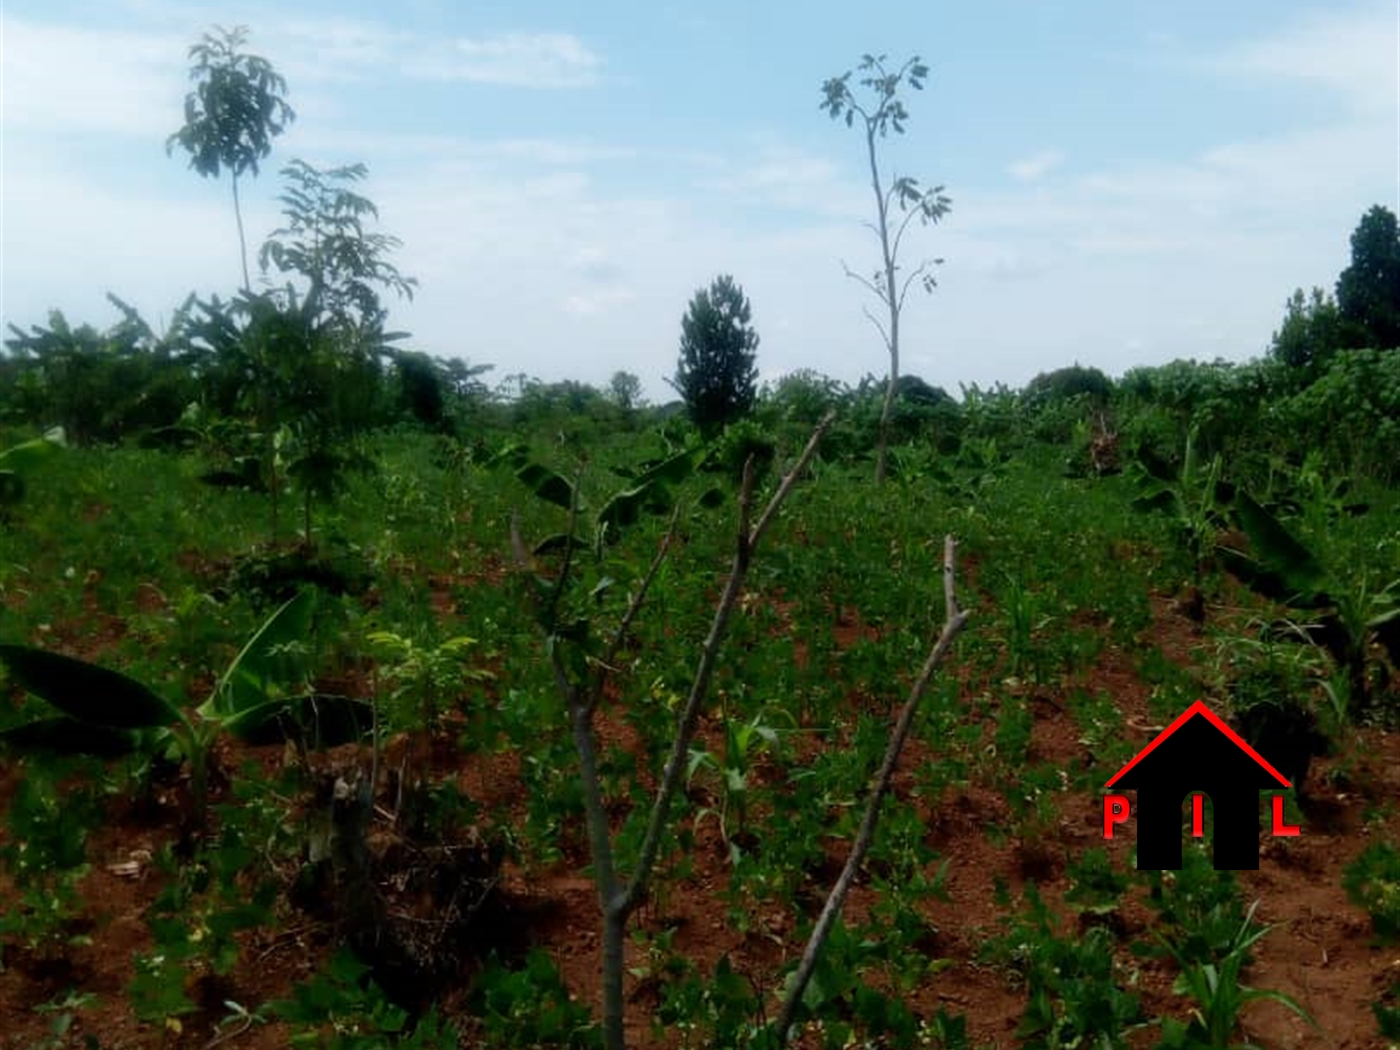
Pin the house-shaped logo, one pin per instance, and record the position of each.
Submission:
(1197, 753)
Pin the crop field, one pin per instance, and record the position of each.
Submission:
(401, 852)
(350, 702)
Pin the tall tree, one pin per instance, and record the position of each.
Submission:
(1368, 291)
(897, 203)
(716, 375)
(232, 115)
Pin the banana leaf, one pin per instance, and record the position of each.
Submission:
(86, 691)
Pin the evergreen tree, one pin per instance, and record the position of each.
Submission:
(1368, 291)
(716, 375)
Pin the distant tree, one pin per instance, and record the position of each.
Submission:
(1065, 383)
(1368, 291)
(804, 396)
(625, 389)
(232, 115)
(884, 110)
(1310, 334)
(716, 375)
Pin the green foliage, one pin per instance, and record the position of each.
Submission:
(1063, 384)
(744, 742)
(1219, 996)
(1388, 1017)
(716, 375)
(1193, 497)
(1372, 881)
(1357, 622)
(1310, 334)
(428, 674)
(22, 461)
(1075, 993)
(101, 386)
(1351, 413)
(251, 696)
(1368, 291)
(326, 243)
(342, 1009)
(45, 856)
(625, 389)
(236, 108)
(1202, 915)
(803, 397)
(530, 1006)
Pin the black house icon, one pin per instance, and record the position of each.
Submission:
(1198, 752)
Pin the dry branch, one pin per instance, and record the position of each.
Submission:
(954, 620)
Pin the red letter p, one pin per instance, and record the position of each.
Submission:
(1115, 811)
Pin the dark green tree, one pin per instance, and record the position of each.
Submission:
(232, 115)
(1310, 334)
(716, 375)
(1368, 291)
(882, 111)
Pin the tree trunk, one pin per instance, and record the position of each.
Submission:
(242, 241)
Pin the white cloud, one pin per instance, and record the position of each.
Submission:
(59, 79)
(543, 60)
(1036, 166)
(1356, 52)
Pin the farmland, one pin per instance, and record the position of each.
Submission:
(1112, 571)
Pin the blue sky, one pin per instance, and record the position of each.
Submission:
(1131, 182)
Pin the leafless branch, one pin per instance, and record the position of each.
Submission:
(869, 284)
(953, 624)
(633, 607)
(879, 326)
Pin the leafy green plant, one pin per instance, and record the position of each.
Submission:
(1388, 1017)
(426, 673)
(1220, 997)
(1193, 496)
(743, 743)
(19, 462)
(1372, 881)
(1096, 887)
(250, 698)
(1202, 914)
(45, 856)
(64, 1011)
(1353, 618)
(342, 1009)
(530, 1006)
(1074, 993)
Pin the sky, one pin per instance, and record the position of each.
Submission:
(1131, 182)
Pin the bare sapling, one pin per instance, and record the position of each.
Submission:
(619, 896)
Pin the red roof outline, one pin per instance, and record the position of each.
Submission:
(1200, 708)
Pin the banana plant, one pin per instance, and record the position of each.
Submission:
(19, 460)
(107, 712)
(1195, 497)
(1351, 617)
